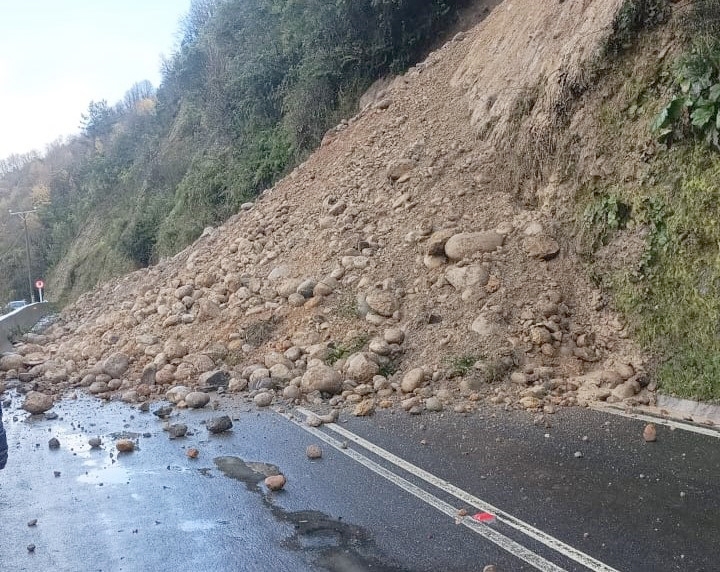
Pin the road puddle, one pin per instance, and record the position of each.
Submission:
(200, 525)
(329, 543)
(252, 474)
(108, 475)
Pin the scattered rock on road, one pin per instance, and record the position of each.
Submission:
(36, 402)
(263, 399)
(163, 411)
(275, 482)
(192, 453)
(313, 452)
(197, 399)
(650, 433)
(54, 443)
(177, 430)
(219, 424)
(95, 442)
(125, 445)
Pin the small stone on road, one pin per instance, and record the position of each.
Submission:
(313, 452)
(275, 482)
(219, 424)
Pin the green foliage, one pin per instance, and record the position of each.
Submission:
(341, 351)
(99, 119)
(697, 79)
(605, 215)
(461, 365)
(635, 15)
(703, 21)
(388, 369)
(346, 307)
(695, 107)
(673, 297)
(139, 237)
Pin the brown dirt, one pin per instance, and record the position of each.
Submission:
(453, 116)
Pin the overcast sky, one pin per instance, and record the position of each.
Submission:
(58, 55)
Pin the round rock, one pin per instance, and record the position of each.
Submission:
(177, 430)
(382, 302)
(321, 378)
(219, 424)
(263, 399)
(36, 402)
(125, 445)
(412, 380)
(116, 365)
(313, 452)
(466, 244)
(275, 482)
(197, 399)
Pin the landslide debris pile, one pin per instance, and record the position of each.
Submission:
(391, 269)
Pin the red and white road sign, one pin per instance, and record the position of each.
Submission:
(39, 284)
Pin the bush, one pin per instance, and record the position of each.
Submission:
(696, 109)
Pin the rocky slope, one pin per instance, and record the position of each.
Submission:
(400, 266)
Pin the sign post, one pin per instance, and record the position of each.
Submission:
(39, 284)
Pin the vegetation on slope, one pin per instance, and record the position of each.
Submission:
(671, 294)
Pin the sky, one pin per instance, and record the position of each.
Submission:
(56, 56)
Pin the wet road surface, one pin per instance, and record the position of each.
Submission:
(622, 505)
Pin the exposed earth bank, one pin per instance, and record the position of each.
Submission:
(423, 258)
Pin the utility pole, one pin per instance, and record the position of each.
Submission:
(23, 215)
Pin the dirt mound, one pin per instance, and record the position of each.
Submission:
(393, 267)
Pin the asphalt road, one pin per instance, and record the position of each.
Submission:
(384, 497)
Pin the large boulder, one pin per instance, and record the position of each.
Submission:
(116, 365)
(174, 349)
(541, 246)
(214, 379)
(197, 399)
(207, 310)
(321, 378)
(360, 368)
(177, 393)
(382, 302)
(12, 361)
(467, 276)
(466, 244)
(36, 402)
(412, 380)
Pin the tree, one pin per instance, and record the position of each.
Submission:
(139, 92)
(99, 119)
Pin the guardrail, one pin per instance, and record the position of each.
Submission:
(20, 320)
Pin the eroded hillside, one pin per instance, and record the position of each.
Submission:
(424, 257)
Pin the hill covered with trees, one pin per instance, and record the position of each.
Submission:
(250, 90)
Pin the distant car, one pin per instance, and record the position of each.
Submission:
(15, 305)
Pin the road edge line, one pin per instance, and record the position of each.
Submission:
(549, 541)
(511, 546)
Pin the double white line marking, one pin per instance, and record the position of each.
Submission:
(508, 544)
